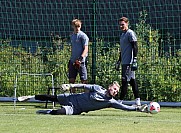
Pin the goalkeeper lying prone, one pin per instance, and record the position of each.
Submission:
(74, 104)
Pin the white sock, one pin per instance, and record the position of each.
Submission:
(31, 96)
(137, 101)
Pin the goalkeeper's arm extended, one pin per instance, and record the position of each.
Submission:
(67, 87)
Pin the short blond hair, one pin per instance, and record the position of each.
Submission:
(116, 83)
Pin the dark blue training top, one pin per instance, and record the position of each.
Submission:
(94, 100)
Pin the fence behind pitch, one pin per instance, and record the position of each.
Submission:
(34, 39)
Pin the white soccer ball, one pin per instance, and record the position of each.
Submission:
(153, 108)
(65, 87)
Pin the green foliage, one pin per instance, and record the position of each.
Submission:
(158, 74)
(106, 56)
(16, 60)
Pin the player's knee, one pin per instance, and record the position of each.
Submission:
(68, 110)
(132, 82)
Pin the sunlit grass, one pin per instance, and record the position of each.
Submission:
(23, 119)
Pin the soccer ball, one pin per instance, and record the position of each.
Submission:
(65, 87)
(153, 108)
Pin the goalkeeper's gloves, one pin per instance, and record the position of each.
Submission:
(117, 66)
(134, 65)
(66, 87)
(80, 58)
(78, 62)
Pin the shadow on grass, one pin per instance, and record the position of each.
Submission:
(25, 105)
(116, 113)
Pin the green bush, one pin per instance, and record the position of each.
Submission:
(158, 75)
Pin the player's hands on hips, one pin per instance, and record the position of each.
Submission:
(117, 65)
(134, 65)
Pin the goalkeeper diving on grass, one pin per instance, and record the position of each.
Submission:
(74, 104)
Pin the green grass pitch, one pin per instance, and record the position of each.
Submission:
(23, 119)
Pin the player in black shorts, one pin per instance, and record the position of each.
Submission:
(128, 59)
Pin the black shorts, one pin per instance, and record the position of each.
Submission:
(82, 71)
(127, 73)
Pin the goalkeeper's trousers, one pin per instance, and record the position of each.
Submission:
(124, 88)
(52, 98)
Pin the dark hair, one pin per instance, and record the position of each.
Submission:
(124, 19)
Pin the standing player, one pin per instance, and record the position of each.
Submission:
(79, 52)
(128, 59)
(97, 98)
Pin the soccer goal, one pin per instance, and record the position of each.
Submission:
(31, 75)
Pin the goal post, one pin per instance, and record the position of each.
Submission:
(31, 74)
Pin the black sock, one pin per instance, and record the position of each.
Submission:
(124, 89)
(60, 111)
(52, 98)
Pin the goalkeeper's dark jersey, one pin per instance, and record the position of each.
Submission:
(126, 47)
(94, 100)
